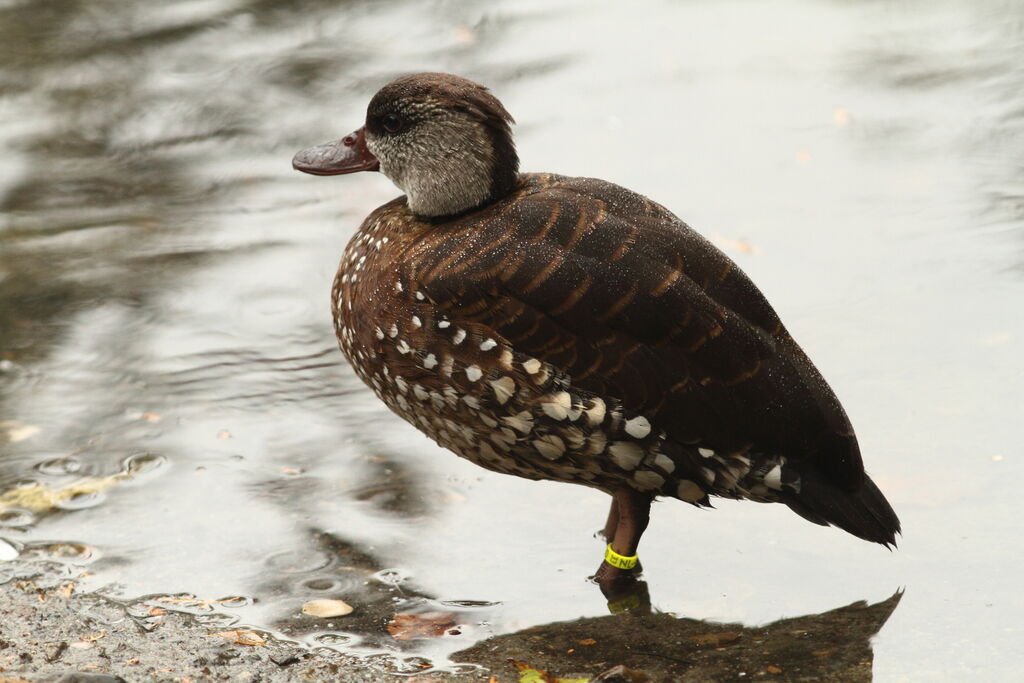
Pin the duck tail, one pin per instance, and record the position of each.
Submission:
(865, 513)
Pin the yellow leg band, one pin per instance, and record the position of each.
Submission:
(620, 561)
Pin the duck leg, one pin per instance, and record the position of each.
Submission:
(613, 521)
(627, 520)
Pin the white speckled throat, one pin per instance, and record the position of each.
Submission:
(445, 163)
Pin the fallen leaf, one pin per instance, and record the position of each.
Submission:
(40, 498)
(588, 641)
(17, 431)
(716, 639)
(740, 245)
(241, 637)
(151, 417)
(223, 434)
(423, 625)
(327, 608)
(527, 674)
(772, 669)
(93, 637)
(464, 35)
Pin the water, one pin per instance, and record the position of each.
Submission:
(170, 387)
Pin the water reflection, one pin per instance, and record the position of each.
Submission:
(832, 646)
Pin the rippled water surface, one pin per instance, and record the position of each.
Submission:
(175, 416)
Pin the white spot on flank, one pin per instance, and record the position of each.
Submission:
(647, 480)
(402, 346)
(521, 422)
(473, 373)
(531, 366)
(398, 286)
(626, 454)
(664, 462)
(416, 321)
(421, 393)
(430, 361)
(706, 452)
(596, 443)
(503, 389)
(471, 401)
(460, 334)
(595, 413)
(773, 478)
(393, 332)
(402, 385)
(443, 324)
(378, 332)
(689, 491)
(558, 405)
(549, 446)
(419, 296)
(638, 427)
(488, 344)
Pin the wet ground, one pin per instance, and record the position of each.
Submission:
(183, 448)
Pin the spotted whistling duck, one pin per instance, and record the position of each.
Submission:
(569, 329)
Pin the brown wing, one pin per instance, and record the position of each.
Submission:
(635, 305)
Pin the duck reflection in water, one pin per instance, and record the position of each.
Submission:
(568, 329)
(833, 645)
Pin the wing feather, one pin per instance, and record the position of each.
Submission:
(632, 304)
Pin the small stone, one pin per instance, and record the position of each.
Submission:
(325, 608)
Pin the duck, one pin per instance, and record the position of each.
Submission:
(568, 329)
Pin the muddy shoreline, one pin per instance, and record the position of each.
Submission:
(57, 634)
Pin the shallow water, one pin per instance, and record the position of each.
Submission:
(177, 419)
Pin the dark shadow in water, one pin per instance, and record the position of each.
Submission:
(394, 616)
(832, 646)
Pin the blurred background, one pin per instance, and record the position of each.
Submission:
(175, 417)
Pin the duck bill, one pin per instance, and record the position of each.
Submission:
(347, 155)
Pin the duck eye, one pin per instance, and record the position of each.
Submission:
(392, 123)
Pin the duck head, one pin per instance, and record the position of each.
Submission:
(444, 140)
